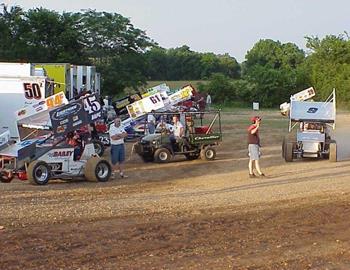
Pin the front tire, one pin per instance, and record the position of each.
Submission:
(288, 151)
(6, 176)
(162, 155)
(38, 172)
(333, 152)
(208, 153)
(97, 170)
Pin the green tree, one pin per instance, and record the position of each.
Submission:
(157, 64)
(209, 64)
(220, 88)
(53, 37)
(124, 71)
(117, 49)
(184, 64)
(229, 66)
(329, 65)
(109, 34)
(12, 44)
(276, 71)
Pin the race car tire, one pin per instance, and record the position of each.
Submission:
(97, 170)
(162, 155)
(6, 176)
(99, 147)
(289, 151)
(333, 152)
(38, 172)
(208, 153)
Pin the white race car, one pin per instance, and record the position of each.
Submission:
(62, 161)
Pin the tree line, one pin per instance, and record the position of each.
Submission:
(127, 58)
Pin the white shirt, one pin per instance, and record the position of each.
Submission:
(177, 128)
(151, 119)
(183, 119)
(113, 130)
(208, 99)
(166, 126)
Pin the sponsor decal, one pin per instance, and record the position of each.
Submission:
(56, 166)
(39, 109)
(122, 103)
(77, 123)
(312, 110)
(65, 121)
(21, 112)
(25, 143)
(64, 112)
(96, 116)
(212, 137)
(39, 104)
(61, 154)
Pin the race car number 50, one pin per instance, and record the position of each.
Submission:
(32, 91)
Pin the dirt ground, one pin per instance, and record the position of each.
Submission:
(189, 214)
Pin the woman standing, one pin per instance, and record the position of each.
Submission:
(254, 147)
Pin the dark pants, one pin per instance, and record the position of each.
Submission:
(117, 153)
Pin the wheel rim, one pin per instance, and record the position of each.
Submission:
(209, 154)
(97, 148)
(163, 156)
(41, 173)
(102, 170)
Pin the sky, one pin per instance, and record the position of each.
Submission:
(219, 26)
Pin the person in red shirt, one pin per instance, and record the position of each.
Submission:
(254, 147)
(74, 139)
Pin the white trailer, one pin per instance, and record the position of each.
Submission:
(19, 92)
(16, 69)
(84, 77)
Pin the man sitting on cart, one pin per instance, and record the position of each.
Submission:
(177, 136)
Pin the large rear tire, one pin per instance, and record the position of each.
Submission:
(288, 151)
(208, 153)
(162, 155)
(97, 170)
(333, 152)
(38, 172)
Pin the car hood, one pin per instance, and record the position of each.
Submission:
(151, 137)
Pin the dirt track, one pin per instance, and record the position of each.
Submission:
(188, 215)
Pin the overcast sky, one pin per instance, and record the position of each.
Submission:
(219, 26)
